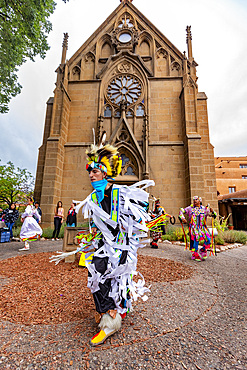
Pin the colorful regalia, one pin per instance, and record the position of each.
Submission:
(198, 231)
(157, 231)
(120, 215)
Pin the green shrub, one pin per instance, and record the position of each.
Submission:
(47, 232)
(175, 233)
(166, 237)
(16, 231)
(83, 225)
(179, 235)
(221, 223)
(235, 236)
(219, 239)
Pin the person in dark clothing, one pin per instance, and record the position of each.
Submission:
(156, 235)
(10, 216)
(37, 206)
(58, 220)
(71, 217)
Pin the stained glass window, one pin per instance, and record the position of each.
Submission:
(107, 112)
(129, 113)
(139, 111)
(129, 171)
(126, 21)
(129, 167)
(124, 88)
(125, 159)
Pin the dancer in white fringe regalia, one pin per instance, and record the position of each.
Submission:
(30, 229)
(118, 222)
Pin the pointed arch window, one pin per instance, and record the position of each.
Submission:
(117, 114)
(129, 113)
(140, 111)
(107, 112)
(129, 165)
(126, 21)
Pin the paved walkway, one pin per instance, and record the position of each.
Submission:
(199, 323)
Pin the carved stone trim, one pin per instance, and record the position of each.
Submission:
(161, 53)
(125, 67)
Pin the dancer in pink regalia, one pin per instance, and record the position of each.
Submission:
(198, 231)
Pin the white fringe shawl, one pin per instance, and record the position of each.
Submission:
(132, 218)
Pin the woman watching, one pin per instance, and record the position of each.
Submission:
(71, 217)
(10, 216)
(58, 220)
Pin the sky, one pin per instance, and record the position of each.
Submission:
(219, 33)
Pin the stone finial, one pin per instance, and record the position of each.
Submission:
(189, 42)
(65, 47)
(185, 65)
(123, 108)
(189, 35)
(126, 1)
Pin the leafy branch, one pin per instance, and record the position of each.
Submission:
(24, 28)
(16, 184)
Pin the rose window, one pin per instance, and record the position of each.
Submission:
(124, 88)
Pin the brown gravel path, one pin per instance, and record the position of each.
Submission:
(194, 323)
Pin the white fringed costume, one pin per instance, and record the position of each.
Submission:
(126, 232)
(30, 229)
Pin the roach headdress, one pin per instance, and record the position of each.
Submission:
(105, 158)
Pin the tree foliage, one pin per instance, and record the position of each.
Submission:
(16, 184)
(24, 28)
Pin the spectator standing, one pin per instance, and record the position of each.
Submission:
(58, 220)
(10, 216)
(37, 206)
(71, 217)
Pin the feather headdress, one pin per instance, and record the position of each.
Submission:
(104, 158)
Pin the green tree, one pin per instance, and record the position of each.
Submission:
(16, 184)
(24, 28)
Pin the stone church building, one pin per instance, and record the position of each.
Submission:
(131, 81)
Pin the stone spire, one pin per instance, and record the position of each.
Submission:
(65, 47)
(126, 1)
(190, 54)
(189, 42)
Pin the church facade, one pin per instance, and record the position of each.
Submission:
(129, 80)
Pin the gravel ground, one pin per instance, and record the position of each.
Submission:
(196, 323)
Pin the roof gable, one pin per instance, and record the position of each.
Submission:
(105, 34)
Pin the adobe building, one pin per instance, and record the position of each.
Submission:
(234, 206)
(131, 81)
(231, 174)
